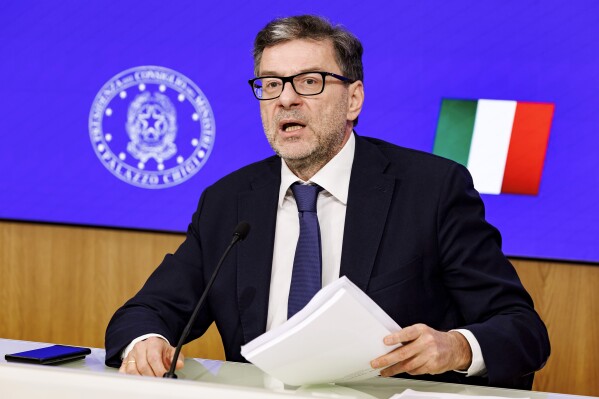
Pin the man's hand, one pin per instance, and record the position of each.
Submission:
(424, 351)
(151, 357)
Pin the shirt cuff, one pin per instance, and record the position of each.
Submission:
(477, 367)
(126, 351)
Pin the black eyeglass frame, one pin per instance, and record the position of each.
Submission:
(289, 79)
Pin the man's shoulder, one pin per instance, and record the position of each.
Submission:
(266, 170)
(409, 159)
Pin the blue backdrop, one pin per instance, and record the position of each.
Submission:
(57, 58)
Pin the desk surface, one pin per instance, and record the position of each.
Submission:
(199, 378)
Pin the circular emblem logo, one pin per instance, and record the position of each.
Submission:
(152, 127)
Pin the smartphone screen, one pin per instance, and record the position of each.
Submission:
(49, 355)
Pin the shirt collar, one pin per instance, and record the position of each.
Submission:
(333, 177)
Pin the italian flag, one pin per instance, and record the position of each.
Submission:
(502, 143)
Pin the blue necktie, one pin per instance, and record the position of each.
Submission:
(306, 277)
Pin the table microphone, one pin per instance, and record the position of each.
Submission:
(241, 231)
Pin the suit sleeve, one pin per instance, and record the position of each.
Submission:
(165, 302)
(496, 307)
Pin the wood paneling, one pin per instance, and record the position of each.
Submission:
(62, 284)
(567, 298)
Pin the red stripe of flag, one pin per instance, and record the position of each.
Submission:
(528, 145)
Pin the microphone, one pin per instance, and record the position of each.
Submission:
(239, 234)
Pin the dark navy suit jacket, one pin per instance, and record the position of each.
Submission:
(415, 240)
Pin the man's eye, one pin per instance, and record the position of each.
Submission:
(273, 84)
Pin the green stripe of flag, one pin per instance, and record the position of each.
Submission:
(455, 129)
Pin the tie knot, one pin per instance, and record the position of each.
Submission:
(305, 196)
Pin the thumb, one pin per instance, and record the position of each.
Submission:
(180, 361)
(169, 353)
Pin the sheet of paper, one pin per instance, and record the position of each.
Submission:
(410, 394)
(333, 339)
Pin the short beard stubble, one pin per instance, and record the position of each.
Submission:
(329, 132)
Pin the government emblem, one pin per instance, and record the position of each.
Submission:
(152, 127)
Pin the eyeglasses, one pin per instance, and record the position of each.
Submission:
(304, 84)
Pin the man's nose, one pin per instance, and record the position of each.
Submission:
(289, 96)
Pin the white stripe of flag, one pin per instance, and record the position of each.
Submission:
(490, 144)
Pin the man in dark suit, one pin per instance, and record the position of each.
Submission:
(406, 227)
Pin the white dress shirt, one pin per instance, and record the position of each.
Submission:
(331, 205)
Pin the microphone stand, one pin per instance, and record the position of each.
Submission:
(241, 231)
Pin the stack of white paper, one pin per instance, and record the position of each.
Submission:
(333, 339)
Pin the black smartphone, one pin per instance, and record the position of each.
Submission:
(49, 355)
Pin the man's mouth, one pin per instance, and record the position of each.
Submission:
(291, 126)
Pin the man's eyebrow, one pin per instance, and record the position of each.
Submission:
(273, 73)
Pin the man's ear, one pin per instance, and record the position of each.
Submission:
(355, 100)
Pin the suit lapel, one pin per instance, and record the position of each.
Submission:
(369, 198)
(254, 259)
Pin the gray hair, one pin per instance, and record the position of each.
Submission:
(348, 49)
